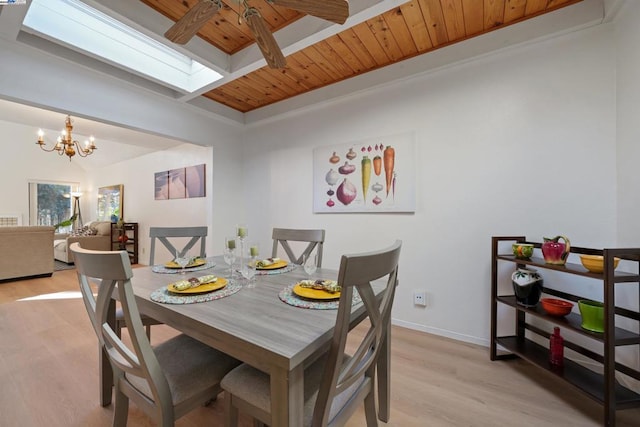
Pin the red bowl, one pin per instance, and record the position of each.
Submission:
(556, 307)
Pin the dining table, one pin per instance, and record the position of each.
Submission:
(263, 326)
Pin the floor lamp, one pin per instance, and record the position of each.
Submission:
(77, 224)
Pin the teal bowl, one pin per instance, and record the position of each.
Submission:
(592, 313)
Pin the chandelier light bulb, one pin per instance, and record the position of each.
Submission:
(66, 145)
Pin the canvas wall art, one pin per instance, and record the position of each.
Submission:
(371, 175)
(180, 183)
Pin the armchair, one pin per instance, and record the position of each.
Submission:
(97, 237)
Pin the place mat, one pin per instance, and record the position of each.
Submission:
(164, 270)
(288, 297)
(285, 269)
(288, 268)
(164, 296)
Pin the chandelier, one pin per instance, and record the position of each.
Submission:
(65, 143)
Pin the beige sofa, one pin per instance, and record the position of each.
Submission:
(25, 252)
(100, 241)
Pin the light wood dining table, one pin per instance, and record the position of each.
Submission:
(256, 327)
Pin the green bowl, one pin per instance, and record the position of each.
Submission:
(522, 250)
(592, 315)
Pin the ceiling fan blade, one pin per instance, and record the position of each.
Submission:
(332, 10)
(187, 26)
(265, 40)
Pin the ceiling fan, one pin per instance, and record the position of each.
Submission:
(186, 27)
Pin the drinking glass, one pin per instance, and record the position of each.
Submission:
(249, 269)
(249, 272)
(182, 262)
(310, 264)
(230, 253)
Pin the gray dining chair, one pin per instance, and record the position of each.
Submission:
(337, 383)
(165, 381)
(164, 234)
(282, 237)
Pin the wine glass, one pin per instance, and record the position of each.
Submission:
(310, 264)
(230, 253)
(182, 261)
(249, 269)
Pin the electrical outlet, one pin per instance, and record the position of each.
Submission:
(420, 298)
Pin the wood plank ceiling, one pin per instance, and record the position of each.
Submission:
(414, 28)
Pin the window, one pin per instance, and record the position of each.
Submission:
(50, 204)
(74, 23)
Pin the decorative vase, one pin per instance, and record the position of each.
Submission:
(555, 252)
(527, 286)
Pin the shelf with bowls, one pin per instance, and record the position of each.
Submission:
(525, 341)
(124, 237)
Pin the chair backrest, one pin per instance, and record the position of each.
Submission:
(347, 380)
(163, 234)
(113, 271)
(283, 236)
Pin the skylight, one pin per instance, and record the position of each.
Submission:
(78, 25)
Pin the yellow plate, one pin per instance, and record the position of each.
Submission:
(314, 293)
(278, 264)
(207, 287)
(197, 263)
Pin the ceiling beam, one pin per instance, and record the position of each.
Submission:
(297, 36)
(11, 17)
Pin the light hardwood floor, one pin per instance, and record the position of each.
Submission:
(49, 374)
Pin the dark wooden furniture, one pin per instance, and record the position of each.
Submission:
(129, 243)
(530, 331)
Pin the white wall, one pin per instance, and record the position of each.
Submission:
(628, 129)
(220, 206)
(627, 33)
(518, 142)
(23, 162)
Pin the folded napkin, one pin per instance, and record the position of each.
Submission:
(194, 282)
(191, 260)
(330, 286)
(267, 262)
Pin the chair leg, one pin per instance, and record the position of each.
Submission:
(370, 409)
(121, 411)
(230, 412)
(148, 328)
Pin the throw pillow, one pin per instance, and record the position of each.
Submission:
(103, 228)
(84, 231)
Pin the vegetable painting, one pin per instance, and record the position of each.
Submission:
(332, 177)
(389, 155)
(362, 176)
(366, 175)
(346, 192)
(377, 165)
(347, 168)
